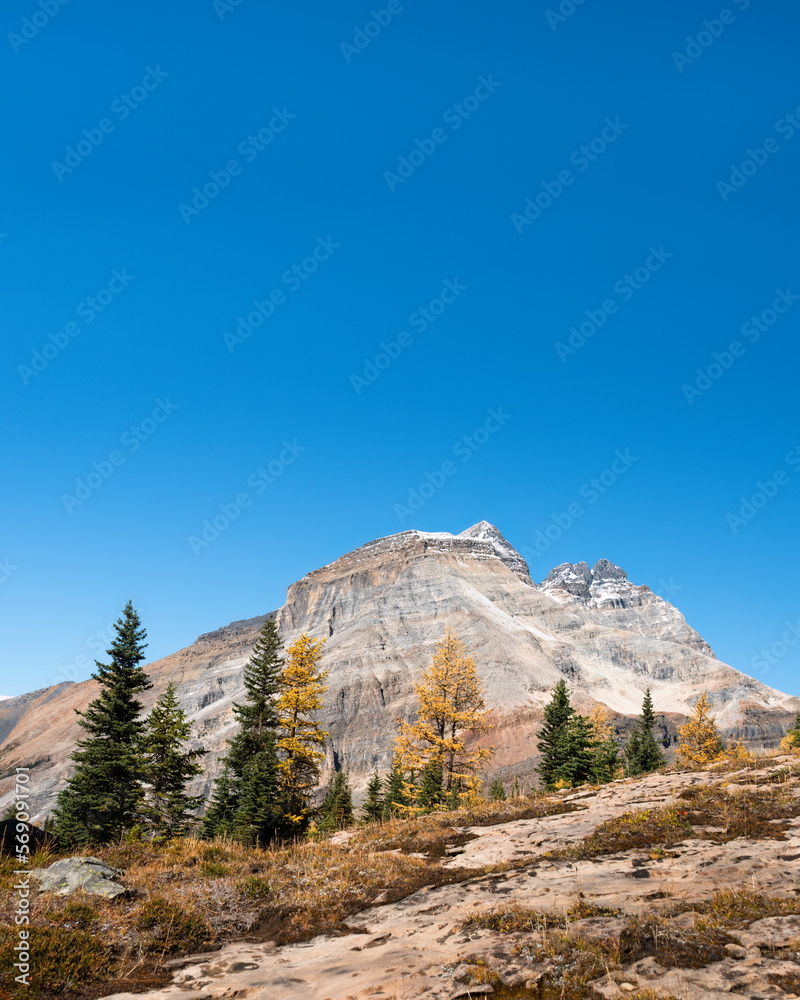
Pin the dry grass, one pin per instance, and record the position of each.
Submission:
(515, 918)
(190, 895)
(757, 815)
(433, 833)
(734, 909)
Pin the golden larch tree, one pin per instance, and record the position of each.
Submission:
(699, 741)
(451, 706)
(301, 739)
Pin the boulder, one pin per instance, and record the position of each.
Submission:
(8, 837)
(80, 874)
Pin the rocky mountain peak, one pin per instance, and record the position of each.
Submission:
(485, 532)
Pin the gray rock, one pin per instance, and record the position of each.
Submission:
(81, 874)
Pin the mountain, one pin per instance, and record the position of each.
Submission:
(382, 608)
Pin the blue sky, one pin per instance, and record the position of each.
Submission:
(278, 267)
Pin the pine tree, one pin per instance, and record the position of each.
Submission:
(336, 811)
(246, 807)
(103, 797)
(451, 705)
(301, 740)
(552, 742)
(497, 792)
(579, 752)
(605, 758)
(167, 768)
(791, 741)
(220, 816)
(633, 750)
(395, 798)
(373, 804)
(431, 786)
(699, 741)
(650, 756)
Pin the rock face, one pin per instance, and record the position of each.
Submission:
(382, 608)
(82, 874)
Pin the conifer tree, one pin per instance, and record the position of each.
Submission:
(552, 742)
(395, 798)
(451, 705)
(497, 792)
(791, 741)
(431, 786)
(336, 811)
(220, 816)
(245, 798)
(103, 797)
(699, 741)
(373, 804)
(167, 767)
(605, 757)
(301, 740)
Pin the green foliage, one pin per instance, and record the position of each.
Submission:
(395, 797)
(103, 797)
(244, 800)
(431, 786)
(497, 792)
(168, 767)
(373, 804)
(643, 752)
(566, 742)
(336, 811)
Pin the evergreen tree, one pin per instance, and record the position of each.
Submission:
(650, 756)
(699, 741)
(167, 768)
(791, 741)
(220, 816)
(553, 743)
(605, 758)
(336, 811)
(579, 748)
(301, 740)
(373, 804)
(450, 706)
(497, 792)
(246, 805)
(633, 749)
(431, 786)
(395, 797)
(103, 797)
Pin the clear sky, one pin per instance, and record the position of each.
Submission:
(347, 245)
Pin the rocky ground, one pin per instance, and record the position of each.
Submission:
(683, 885)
